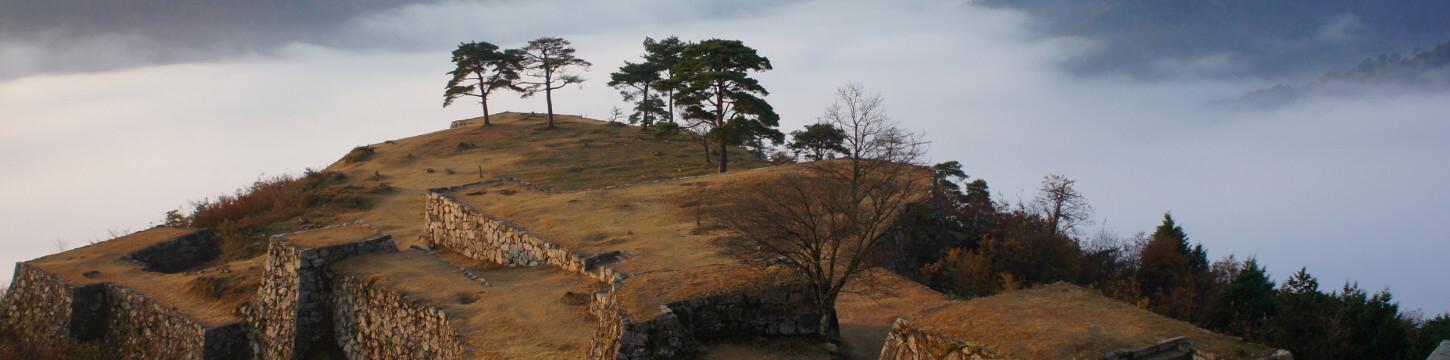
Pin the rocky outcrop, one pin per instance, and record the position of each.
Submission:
(906, 342)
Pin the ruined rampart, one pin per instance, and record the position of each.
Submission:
(291, 314)
(46, 312)
(39, 307)
(468, 231)
(681, 327)
(178, 254)
(372, 322)
(145, 329)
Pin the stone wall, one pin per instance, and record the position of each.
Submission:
(48, 312)
(178, 254)
(144, 329)
(38, 307)
(680, 327)
(375, 323)
(905, 342)
(459, 227)
(291, 314)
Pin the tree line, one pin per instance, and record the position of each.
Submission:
(968, 245)
(708, 81)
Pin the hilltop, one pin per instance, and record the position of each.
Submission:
(503, 241)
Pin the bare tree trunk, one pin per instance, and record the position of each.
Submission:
(672, 105)
(829, 328)
(723, 158)
(720, 121)
(485, 112)
(705, 145)
(483, 99)
(549, 99)
(645, 119)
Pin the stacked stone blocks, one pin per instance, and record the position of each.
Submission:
(48, 311)
(680, 328)
(376, 323)
(291, 314)
(178, 254)
(459, 227)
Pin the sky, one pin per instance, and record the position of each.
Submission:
(1349, 186)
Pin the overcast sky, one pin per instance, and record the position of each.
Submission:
(1350, 187)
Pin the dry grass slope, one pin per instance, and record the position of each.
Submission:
(1066, 322)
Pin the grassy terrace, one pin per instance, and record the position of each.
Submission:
(209, 297)
(578, 154)
(1066, 322)
(655, 224)
(525, 314)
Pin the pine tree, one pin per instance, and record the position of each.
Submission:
(1245, 305)
(489, 68)
(549, 60)
(719, 97)
(819, 141)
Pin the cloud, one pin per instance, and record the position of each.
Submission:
(1340, 29)
(1346, 186)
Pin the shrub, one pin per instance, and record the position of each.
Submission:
(252, 210)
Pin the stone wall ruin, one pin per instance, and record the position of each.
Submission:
(680, 328)
(48, 311)
(459, 227)
(366, 320)
(291, 313)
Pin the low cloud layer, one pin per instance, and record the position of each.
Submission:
(1345, 186)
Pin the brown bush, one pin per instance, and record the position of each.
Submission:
(269, 201)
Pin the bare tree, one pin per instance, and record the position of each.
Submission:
(823, 221)
(549, 60)
(1062, 205)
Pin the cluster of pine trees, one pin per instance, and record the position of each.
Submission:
(965, 244)
(721, 105)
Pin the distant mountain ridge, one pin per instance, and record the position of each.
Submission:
(1421, 70)
(1263, 37)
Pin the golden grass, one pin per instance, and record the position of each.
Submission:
(101, 262)
(525, 315)
(869, 304)
(654, 223)
(776, 348)
(520, 317)
(333, 235)
(1066, 322)
(641, 296)
(578, 154)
